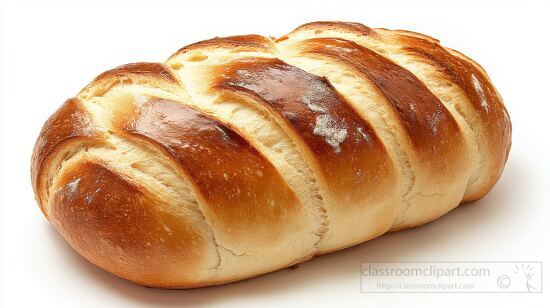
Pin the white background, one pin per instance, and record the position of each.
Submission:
(51, 49)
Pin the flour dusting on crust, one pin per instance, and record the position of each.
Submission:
(73, 185)
(334, 135)
(314, 107)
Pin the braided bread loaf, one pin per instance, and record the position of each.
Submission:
(243, 155)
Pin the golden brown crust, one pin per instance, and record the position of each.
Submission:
(353, 27)
(141, 69)
(422, 114)
(435, 146)
(154, 73)
(345, 147)
(71, 123)
(154, 178)
(434, 133)
(122, 228)
(443, 63)
(226, 170)
(238, 43)
(482, 97)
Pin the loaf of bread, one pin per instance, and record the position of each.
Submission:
(243, 155)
